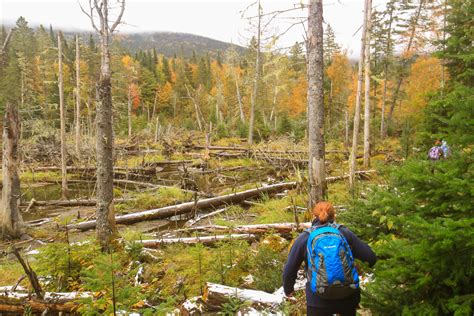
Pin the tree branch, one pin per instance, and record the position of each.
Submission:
(119, 18)
(90, 15)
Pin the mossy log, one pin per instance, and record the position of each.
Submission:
(189, 207)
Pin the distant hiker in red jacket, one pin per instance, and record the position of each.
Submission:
(328, 250)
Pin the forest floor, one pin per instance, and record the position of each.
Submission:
(165, 174)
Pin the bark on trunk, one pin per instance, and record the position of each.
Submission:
(254, 95)
(16, 302)
(129, 110)
(189, 207)
(62, 113)
(78, 98)
(106, 230)
(346, 134)
(367, 89)
(11, 219)
(355, 133)
(239, 99)
(316, 167)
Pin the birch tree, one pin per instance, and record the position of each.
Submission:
(355, 134)
(62, 116)
(314, 47)
(98, 13)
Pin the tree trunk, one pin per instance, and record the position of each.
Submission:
(355, 133)
(129, 110)
(317, 169)
(384, 97)
(10, 216)
(346, 134)
(407, 50)
(367, 89)
(106, 229)
(257, 77)
(239, 99)
(78, 98)
(62, 113)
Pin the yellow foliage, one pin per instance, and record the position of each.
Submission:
(425, 78)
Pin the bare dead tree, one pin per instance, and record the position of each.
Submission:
(98, 13)
(78, 99)
(257, 75)
(367, 88)
(355, 134)
(11, 220)
(314, 48)
(62, 114)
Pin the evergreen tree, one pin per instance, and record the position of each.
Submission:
(423, 221)
(53, 36)
(194, 58)
(296, 57)
(219, 58)
(330, 45)
(3, 34)
(166, 69)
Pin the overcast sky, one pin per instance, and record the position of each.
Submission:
(218, 19)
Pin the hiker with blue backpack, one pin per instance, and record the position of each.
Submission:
(328, 250)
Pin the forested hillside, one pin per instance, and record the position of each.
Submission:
(170, 173)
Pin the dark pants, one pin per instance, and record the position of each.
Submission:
(314, 311)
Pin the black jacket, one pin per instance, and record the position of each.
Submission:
(297, 255)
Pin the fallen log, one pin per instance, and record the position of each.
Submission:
(193, 221)
(346, 176)
(215, 295)
(15, 302)
(227, 148)
(206, 240)
(281, 228)
(188, 207)
(66, 203)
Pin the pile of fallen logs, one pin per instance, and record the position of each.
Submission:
(189, 207)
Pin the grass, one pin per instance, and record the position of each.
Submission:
(149, 200)
(29, 176)
(10, 272)
(185, 269)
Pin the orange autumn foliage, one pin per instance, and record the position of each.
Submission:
(424, 78)
(295, 102)
(135, 95)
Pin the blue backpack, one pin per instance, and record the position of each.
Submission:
(331, 270)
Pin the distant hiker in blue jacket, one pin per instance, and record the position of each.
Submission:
(328, 250)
